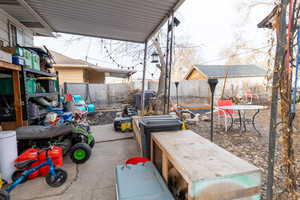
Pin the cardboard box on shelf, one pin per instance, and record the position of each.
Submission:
(4, 56)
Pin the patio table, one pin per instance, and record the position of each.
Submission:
(242, 117)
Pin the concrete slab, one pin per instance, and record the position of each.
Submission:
(107, 133)
(93, 180)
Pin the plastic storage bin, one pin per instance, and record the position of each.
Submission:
(31, 85)
(28, 58)
(131, 184)
(35, 61)
(8, 153)
(6, 86)
(156, 123)
(48, 85)
(17, 60)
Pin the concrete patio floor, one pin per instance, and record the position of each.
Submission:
(92, 180)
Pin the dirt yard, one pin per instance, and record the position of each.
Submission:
(249, 146)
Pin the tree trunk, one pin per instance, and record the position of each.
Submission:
(161, 84)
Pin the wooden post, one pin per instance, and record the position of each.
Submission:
(144, 77)
(165, 166)
(17, 98)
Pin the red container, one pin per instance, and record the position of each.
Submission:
(56, 154)
(30, 154)
(68, 97)
(136, 160)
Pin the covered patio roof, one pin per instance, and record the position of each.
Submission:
(130, 20)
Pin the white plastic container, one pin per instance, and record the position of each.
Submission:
(8, 153)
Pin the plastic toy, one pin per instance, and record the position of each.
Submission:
(74, 138)
(55, 178)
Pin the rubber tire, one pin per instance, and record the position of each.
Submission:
(92, 144)
(4, 195)
(83, 146)
(17, 174)
(62, 175)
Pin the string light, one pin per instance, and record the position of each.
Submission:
(112, 59)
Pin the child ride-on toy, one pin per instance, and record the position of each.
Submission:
(74, 138)
(55, 178)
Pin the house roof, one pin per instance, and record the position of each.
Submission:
(65, 60)
(232, 70)
(130, 20)
(62, 61)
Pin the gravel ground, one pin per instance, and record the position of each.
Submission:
(101, 118)
(248, 146)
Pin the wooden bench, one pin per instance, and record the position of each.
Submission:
(197, 169)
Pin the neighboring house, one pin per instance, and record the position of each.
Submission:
(18, 27)
(239, 77)
(12, 32)
(78, 71)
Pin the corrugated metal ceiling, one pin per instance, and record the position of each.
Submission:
(129, 20)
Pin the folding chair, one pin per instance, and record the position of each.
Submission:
(227, 114)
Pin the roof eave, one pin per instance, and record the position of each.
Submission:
(164, 20)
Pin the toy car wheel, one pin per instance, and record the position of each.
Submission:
(4, 195)
(92, 144)
(80, 153)
(61, 177)
(17, 175)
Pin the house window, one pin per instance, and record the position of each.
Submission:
(1, 43)
(16, 36)
(12, 35)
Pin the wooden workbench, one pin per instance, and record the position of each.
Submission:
(17, 90)
(207, 170)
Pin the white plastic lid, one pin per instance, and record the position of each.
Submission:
(7, 134)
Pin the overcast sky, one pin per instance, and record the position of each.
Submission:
(210, 24)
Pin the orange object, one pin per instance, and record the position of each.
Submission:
(56, 154)
(136, 160)
(30, 154)
(68, 97)
(222, 102)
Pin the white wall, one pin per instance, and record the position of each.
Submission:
(4, 36)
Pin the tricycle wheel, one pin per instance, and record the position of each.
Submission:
(61, 177)
(4, 195)
(17, 175)
(80, 153)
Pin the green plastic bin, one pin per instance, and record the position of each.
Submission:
(31, 85)
(19, 51)
(35, 61)
(6, 86)
(28, 58)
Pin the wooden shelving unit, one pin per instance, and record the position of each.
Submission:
(16, 90)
